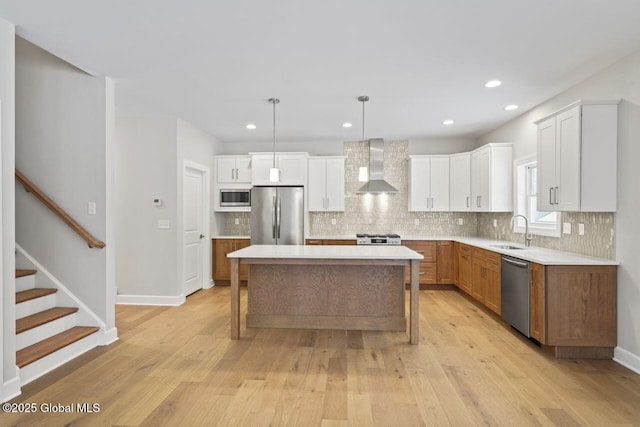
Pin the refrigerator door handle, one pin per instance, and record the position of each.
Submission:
(273, 218)
(279, 214)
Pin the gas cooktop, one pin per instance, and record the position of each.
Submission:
(378, 239)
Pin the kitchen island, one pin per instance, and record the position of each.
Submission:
(326, 287)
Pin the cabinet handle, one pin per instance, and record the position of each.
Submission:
(556, 195)
(432, 206)
(550, 196)
(420, 252)
(421, 273)
(467, 201)
(477, 201)
(327, 203)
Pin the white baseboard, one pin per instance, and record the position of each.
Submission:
(110, 336)
(627, 359)
(11, 388)
(150, 300)
(209, 285)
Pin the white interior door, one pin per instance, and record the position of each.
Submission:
(193, 230)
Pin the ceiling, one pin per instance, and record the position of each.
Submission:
(216, 63)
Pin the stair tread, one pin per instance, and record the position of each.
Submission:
(22, 273)
(30, 294)
(37, 319)
(45, 347)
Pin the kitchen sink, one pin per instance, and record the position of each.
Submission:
(510, 247)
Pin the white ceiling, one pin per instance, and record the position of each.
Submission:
(215, 63)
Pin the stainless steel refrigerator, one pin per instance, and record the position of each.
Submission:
(277, 215)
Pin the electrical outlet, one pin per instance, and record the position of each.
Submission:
(164, 224)
(91, 208)
(460, 221)
(566, 228)
(237, 221)
(333, 221)
(416, 221)
(581, 229)
(495, 223)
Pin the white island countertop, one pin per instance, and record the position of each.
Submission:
(325, 252)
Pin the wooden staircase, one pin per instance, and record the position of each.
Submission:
(46, 335)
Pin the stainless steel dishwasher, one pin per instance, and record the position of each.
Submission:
(514, 281)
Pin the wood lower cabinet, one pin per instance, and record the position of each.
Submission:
(485, 278)
(580, 306)
(444, 260)
(221, 267)
(573, 309)
(536, 302)
(463, 257)
(428, 266)
(347, 242)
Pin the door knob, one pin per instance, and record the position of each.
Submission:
(202, 236)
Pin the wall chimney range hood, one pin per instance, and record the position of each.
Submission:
(376, 183)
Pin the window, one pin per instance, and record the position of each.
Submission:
(526, 201)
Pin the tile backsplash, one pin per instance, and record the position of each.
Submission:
(598, 240)
(368, 213)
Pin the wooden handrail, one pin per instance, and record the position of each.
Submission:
(33, 189)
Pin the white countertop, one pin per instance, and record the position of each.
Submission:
(535, 254)
(325, 252)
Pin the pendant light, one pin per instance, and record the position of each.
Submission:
(274, 172)
(363, 172)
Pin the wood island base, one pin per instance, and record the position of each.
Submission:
(351, 292)
(363, 297)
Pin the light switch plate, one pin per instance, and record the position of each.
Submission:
(237, 221)
(495, 223)
(416, 221)
(91, 208)
(581, 229)
(566, 228)
(164, 224)
(333, 221)
(460, 221)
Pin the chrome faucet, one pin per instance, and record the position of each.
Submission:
(528, 237)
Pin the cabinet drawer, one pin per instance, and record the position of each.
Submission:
(426, 249)
(313, 242)
(347, 242)
(427, 273)
(464, 249)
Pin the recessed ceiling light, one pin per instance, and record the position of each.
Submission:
(511, 107)
(251, 126)
(346, 125)
(493, 83)
(448, 122)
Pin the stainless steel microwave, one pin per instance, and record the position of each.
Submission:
(235, 197)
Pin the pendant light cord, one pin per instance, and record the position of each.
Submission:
(274, 101)
(363, 99)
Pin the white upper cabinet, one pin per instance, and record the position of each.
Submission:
(460, 182)
(491, 178)
(428, 183)
(233, 169)
(326, 184)
(293, 168)
(577, 158)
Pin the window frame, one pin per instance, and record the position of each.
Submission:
(520, 200)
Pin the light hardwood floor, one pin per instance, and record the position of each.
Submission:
(178, 367)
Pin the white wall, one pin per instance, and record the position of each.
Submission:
(621, 80)
(442, 146)
(145, 164)
(61, 145)
(150, 153)
(9, 385)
